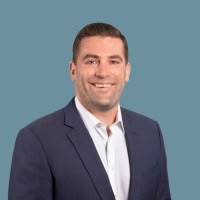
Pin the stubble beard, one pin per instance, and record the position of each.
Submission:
(95, 103)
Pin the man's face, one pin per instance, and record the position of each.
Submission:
(100, 72)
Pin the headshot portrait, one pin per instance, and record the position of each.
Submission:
(93, 148)
(99, 100)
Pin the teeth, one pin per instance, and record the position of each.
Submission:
(102, 85)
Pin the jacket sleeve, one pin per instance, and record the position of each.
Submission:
(163, 192)
(30, 176)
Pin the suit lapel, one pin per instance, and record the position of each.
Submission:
(83, 144)
(132, 141)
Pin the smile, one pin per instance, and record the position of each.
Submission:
(102, 85)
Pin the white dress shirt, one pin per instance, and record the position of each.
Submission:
(111, 148)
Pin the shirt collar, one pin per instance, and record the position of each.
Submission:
(90, 120)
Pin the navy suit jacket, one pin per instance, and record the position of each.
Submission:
(55, 159)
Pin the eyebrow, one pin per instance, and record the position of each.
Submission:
(90, 56)
(116, 57)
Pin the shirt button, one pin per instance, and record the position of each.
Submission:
(112, 168)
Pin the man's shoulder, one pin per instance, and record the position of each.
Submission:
(136, 115)
(137, 119)
(46, 122)
(55, 118)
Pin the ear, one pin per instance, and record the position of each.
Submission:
(127, 72)
(72, 69)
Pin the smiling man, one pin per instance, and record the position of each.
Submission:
(92, 149)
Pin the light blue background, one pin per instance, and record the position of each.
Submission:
(164, 40)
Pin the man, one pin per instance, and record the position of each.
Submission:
(92, 149)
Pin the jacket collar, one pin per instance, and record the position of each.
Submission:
(83, 144)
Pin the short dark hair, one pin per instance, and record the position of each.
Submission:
(98, 29)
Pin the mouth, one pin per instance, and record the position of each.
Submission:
(102, 85)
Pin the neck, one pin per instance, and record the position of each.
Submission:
(108, 116)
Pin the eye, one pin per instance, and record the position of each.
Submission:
(91, 62)
(114, 62)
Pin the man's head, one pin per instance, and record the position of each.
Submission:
(100, 66)
(98, 29)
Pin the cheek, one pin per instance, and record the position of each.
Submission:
(122, 77)
(81, 79)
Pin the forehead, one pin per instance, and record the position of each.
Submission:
(101, 46)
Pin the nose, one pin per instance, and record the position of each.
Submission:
(102, 70)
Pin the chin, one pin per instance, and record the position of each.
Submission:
(104, 105)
